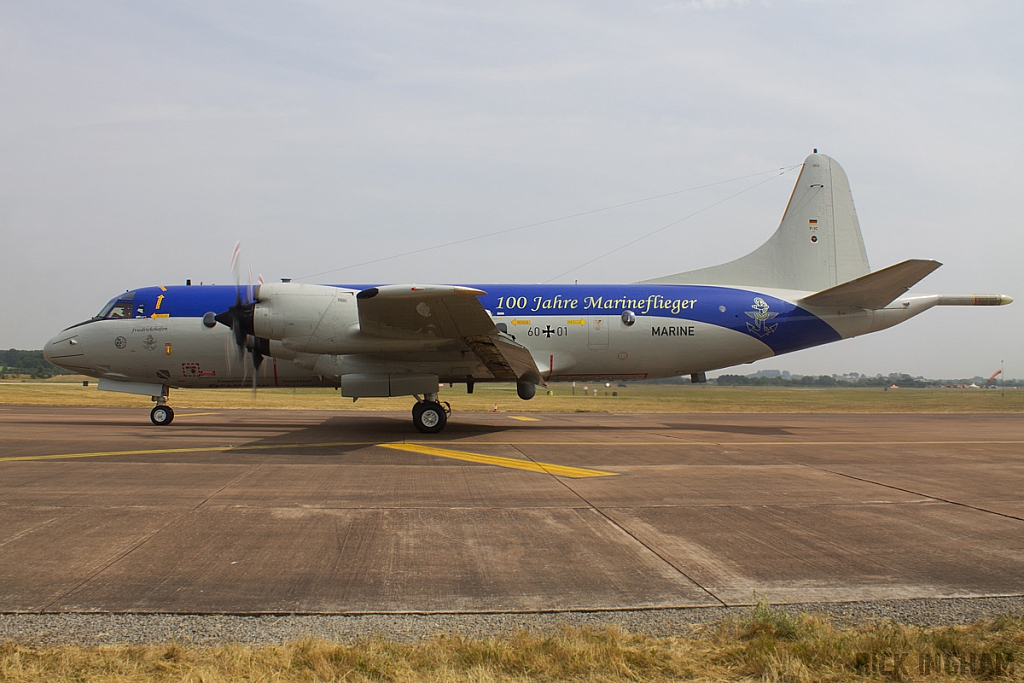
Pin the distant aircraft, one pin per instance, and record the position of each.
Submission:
(809, 284)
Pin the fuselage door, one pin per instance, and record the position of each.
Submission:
(597, 336)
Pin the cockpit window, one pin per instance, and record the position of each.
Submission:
(118, 309)
(106, 309)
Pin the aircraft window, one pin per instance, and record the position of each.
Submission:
(122, 309)
(118, 307)
(106, 309)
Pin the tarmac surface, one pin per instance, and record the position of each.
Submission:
(309, 512)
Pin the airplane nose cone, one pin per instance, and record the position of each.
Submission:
(63, 348)
(48, 350)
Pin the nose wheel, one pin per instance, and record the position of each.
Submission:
(161, 415)
(430, 417)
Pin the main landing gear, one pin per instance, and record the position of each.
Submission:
(430, 415)
(162, 413)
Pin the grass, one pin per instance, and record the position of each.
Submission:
(634, 398)
(766, 644)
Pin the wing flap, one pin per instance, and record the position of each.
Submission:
(504, 358)
(874, 290)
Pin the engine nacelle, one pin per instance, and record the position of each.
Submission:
(304, 317)
(322, 320)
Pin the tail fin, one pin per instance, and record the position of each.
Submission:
(818, 244)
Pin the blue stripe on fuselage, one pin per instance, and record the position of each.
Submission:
(777, 323)
(181, 301)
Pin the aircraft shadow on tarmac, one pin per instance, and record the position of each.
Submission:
(369, 427)
(386, 427)
(756, 430)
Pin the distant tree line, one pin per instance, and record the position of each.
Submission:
(31, 363)
(816, 381)
(14, 362)
(903, 381)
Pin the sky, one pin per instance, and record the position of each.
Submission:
(140, 141)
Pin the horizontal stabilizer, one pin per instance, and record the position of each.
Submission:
(874, 290)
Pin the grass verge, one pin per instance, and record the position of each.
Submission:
(767, 644)
(634, 398)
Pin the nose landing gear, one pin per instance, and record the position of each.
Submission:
(162, 414)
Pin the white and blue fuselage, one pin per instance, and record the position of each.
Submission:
(573, 332)
(809, 284)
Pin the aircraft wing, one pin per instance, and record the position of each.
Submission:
(874, 290)
(414, 311)
(444, 312)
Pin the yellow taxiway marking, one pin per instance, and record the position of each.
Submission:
(523, 418)
(412, 445)
(528, 465)
(191, 449)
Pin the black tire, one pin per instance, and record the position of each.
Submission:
(429, 417)
(161, 415)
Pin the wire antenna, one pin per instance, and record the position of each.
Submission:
(782, 172)
(505, 231)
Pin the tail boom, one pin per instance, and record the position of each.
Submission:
(974, 300)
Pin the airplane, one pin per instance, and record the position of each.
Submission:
(809, 284)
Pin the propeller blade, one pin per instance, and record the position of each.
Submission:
(240, 318)
(255, 370)
(234, 260)
(228, 353)
(259, 348)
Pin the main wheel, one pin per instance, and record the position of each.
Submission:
(161, 415)
(429, 417)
